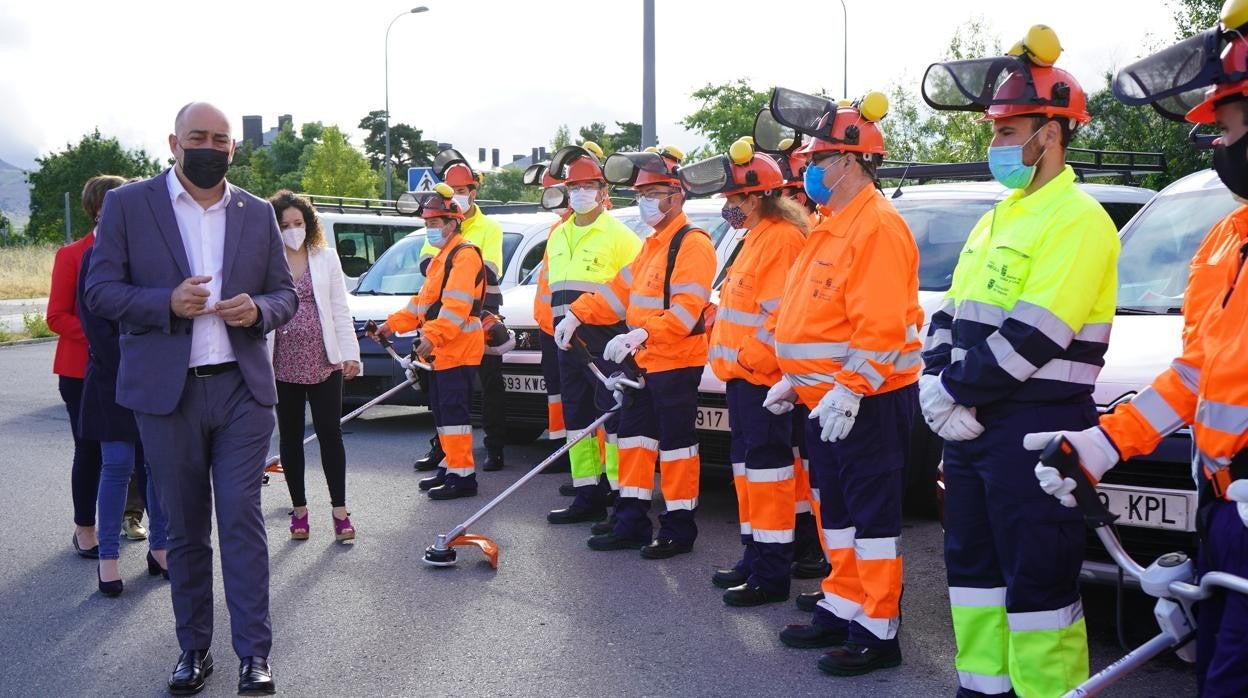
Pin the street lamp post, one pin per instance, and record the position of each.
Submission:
(414, 10)
(845, 48)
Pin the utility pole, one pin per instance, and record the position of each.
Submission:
(648, 136)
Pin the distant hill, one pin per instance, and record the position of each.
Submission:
(14, 194)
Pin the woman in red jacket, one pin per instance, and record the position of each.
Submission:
(70, 363)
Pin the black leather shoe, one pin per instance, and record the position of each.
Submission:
(807, 600)
(154, 568)
(726, 579)
(493, 461)
(255, 678)
(567, 489)
(113, 588)
(429, 483)
(92, 553)
(663, 548)
(746, 595)
(811, 568)
(193, 669)
(432, 459)
(610, 541)
(603, 526)
(813, 636)
(574, 514)
(854, 660)
(454, 491)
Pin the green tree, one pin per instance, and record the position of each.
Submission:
(628, 137)
(505, 185)
(1194, 16)
(278, 165)
(726, 112)
(407, 145)
(563, 137)
(335, 168)
(68, 171)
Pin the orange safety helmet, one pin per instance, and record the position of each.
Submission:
(849, 128)
(1234, 63)
(671, 157)
(440, 203)
(742, 171)
(577, 163)
(453, 168)
(1057, 95)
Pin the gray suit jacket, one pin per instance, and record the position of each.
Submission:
(139, 259)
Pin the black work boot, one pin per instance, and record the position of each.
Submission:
(747, 595)
(433, 458)
(728, 578)
(807, 600)
(454, 488)
(852, 659)
(603, 526)
(493, 461)
(433, 481)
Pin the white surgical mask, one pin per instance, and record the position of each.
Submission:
(461, 200)
(583, 200)
(650, 212)
(293, 237)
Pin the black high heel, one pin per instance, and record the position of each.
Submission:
(113, 588)
(92, 553)
(154, 568)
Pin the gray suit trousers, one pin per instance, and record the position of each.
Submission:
(212, 448)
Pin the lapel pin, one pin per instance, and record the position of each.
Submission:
(240, 204)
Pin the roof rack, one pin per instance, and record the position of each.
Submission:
(1086, 163)
(386, 207)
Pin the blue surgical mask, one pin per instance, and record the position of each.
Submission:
(812, 180)
(436, 237)
(1007, 166)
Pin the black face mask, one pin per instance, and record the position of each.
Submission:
(205, 167)
(1231, 164)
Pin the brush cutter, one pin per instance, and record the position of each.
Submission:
(442, 552)
(1171, 579)
(274, 465)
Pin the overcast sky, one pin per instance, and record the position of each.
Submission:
(483, 73)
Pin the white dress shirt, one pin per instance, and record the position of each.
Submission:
(203, 238)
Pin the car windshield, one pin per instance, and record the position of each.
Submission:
(1158, 247)
(940, 228)
(397, 272)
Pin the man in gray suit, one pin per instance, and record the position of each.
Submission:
(193, 270)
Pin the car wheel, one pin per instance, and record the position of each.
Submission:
(922, 471)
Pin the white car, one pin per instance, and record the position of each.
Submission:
(361, 238)
(396, 276)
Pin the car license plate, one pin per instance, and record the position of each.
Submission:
(524, 384)
(1147, 507)
(712, 419)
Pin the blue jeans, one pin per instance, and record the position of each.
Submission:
(118, 460)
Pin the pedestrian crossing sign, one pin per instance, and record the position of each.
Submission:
(421, 179)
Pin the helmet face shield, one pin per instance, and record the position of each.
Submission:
(565, 156)
(408, 204)
(532, 176)
(799, 111)
(555, 198)
(1173, 79)
(705, 177)
(974, 84)
(623, 169)
(443, 160)
(771, 136)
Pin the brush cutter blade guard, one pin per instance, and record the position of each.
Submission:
(487, 547)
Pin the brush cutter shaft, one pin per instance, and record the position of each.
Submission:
(1133, 660)
(353, 414)
(576, 438)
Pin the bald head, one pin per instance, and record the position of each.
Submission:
(201, 115)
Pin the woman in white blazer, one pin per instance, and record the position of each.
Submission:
(312, 354)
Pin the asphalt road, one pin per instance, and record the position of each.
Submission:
(556, 619)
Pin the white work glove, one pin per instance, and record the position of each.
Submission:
(1096, 454)
(1238, 492)
(780, 397)
(836, 412)
(624, 345)
(504, 347)
(565, 329)
(949, 420)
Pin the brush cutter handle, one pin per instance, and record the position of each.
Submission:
(370, 331)
(582, 350)
(1060, 454)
